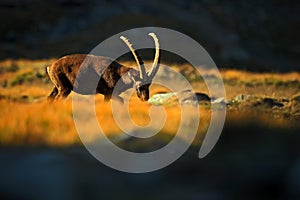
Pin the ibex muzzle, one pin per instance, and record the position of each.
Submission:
(64, 71)
(143, 92)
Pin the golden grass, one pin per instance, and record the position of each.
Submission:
(252, 76)
(277, 85)
(34, 91)
(52, 124)
(36, 122)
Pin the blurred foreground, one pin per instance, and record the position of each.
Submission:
(250, 161)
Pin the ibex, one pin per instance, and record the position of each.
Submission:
(105, 71)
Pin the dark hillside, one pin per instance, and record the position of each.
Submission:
(258, 35)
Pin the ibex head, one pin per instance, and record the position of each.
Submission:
(142, 80)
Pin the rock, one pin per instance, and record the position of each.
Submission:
(202, 97)
(294, 105)
(296, 98)
(183, 97)
(219, 101)
(270, 102)
(188, 95)
(24, 97)
(259, 101)
(160, 99)
(245, 97)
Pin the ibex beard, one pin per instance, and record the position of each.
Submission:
(76, 73)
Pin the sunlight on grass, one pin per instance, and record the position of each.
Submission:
(52, 124)
(26, 118)
(38, 123)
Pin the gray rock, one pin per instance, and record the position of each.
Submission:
(183, 97)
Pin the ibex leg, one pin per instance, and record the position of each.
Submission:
(53, 94)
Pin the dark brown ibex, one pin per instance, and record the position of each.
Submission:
(77, 72)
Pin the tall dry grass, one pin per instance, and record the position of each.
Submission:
(38, 123)
(52, 124)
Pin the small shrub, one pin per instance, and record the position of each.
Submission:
(28, 77)
(12, 68)
(38, 75)
(22, 78)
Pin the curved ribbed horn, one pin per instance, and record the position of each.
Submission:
(137, 58)
(156, 60)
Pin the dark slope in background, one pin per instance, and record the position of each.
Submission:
(254, 35)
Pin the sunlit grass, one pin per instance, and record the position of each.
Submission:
(52, 124)
(26, 118)
(38, 123)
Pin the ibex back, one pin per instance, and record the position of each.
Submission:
(66, 72)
